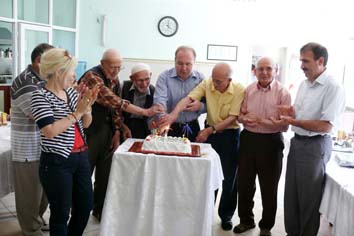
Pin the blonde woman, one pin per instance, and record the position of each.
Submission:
(61, 114)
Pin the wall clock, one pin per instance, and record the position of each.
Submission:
(167, 26)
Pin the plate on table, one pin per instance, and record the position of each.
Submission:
(136, 147)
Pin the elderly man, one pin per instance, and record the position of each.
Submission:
(223, 99)
(258, 109)
(175, 84)
(31, 201)
(103, 136)
(139, 92)
(319, 102)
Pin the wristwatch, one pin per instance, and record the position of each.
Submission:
(214, 130)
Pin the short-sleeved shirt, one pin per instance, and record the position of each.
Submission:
(322, 99)
(48, 108)
(220, 105)
(25, 135)
(264, 103)
(170, 89)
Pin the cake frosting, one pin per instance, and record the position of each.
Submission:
(157, 143)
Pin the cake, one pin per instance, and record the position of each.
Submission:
(168, 144)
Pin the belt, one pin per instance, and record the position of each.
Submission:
(225, 130)
(298, 136)
(80, 149)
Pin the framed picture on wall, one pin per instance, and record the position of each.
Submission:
(221, 52)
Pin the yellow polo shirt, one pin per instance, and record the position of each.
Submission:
(220, 105)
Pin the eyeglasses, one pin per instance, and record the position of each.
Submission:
(220, 82)
(267, 69)
(111, 65)
(118, 68)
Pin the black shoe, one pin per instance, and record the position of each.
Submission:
(265, 232)
(45, 227)
(240, 228)
(97, 215)
(226, 225)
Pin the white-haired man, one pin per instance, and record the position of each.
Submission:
(103, 135)
(139, 92)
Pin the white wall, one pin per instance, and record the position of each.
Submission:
(276, 27)
(132, 27)
(158, 66)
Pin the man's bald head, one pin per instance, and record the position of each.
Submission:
(223, 69)
(221, 76)
(111, 54)
(111, 62)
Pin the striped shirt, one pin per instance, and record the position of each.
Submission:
(48, 108)
(25, 135)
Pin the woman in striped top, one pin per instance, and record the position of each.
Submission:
(61, 114)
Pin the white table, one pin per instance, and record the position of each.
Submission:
(6, 177)
(161, 195)
(338, 198)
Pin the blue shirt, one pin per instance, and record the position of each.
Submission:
(170, 89)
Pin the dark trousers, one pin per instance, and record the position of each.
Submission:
(100, 156)
(262, 155)
(138, 127)
(67, 184)
(304, 184)
(226, 144)
(178, 130)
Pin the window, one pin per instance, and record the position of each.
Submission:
(64, 39)
(64, 13)
(33, 10)
(348, 78)
(6, 50)
(6, 8)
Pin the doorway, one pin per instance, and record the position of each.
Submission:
(30, 37)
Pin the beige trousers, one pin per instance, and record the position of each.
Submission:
(31, 202)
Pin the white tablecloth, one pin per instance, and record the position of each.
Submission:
(161, 195)
(6, 177)
(338, 198)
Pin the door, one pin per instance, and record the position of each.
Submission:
(30, 37)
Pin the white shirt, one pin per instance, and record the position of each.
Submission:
(322, 99)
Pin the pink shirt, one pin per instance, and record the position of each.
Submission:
(263, 102)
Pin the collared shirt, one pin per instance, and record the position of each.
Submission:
(139, 98)
(220, 105)
(106, 97)
(263, 103)
(322, 99)
(170, 89)
(25, 135)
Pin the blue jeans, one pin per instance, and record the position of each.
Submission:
(67, 184)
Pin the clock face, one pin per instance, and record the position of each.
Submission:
(167, 26)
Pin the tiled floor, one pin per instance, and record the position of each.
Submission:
(9, 225)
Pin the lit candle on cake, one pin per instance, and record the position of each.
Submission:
(166, 129)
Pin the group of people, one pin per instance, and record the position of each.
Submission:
(66, 134)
